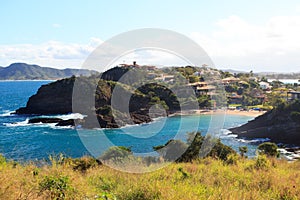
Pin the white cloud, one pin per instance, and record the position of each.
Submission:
(234, 43)
(51, 53)
(273, 46)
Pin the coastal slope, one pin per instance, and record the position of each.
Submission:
(23, 71)
(280, 125)
(58, 98)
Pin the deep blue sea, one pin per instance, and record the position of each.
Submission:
(21, 141)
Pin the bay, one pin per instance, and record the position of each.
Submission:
(22, 142)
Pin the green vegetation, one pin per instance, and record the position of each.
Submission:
(208, 178)
(23, 71)
(268, 148)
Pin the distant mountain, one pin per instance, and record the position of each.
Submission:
(279, 75)
(23, 71)
(232, 71)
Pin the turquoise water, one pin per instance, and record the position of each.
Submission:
(20, 141)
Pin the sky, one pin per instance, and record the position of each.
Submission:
(258, 35)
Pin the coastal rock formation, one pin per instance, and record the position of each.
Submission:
(44, 120)
(52, 98)
(280, 125)
(58, 98)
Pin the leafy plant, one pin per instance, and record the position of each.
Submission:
(268, 148)
(57, 186)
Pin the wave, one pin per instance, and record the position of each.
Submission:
(15, 124)
(65, 116)
(7, 113)
(71, 116)
(40, 124)
(256, 140)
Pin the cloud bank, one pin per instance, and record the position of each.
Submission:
(233, 43)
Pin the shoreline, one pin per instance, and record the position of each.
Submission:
(251, 113)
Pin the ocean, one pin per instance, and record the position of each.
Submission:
(23, 142)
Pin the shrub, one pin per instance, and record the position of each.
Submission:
(116, 152)
(172, 150)
(261, 162)
(221, 151)
(243, 150)
(2, 159)
(231, 159)
(187, 152)
(57, 186)
(295, 116)
(84, 163)
(139, 193)
(268, 148)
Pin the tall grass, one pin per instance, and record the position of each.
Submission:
(261, 178)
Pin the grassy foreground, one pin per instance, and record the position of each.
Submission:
(261, 178)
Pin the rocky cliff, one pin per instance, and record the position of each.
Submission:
(57, 98)
(281, 125)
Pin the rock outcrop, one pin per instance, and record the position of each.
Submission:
(280, 125)
(58, 98)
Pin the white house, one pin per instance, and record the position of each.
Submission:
(265, 85)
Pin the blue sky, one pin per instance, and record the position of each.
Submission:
(245, 35)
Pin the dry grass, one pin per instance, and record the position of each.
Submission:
(202, 179)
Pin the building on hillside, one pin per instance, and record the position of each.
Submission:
(265, 86)
(165, 78)
(293, 95)
(230, 80)
(234, 98)
(258, 95)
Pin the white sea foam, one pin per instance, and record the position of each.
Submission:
(6, 113)
(256, 140)
(14, 124)
(71, 116)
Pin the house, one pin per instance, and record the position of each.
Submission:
(165, 78)
(230, 80)
(258, 95)
(293, 95)
(265, 85)
(234, 98)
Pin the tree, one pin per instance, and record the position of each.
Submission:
(172, 150)
(116, 152)
(179, 151)
(268, 149)
(243, 150)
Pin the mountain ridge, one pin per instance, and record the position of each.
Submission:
(24, 71)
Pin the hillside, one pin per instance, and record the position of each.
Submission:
(56, 98)
(281, 125)
(23, 71)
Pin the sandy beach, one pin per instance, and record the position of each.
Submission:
(251, 113)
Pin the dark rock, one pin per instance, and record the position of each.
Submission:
(277, 125)
(44, 120)
(69, 122)
(94, 100)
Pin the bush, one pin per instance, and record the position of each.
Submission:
(57, 186)
(83, 164)
(139, 193)
(187, 152)
(232, 159)
(295, 116)
(172, 150)
(116, 152)
(268, 149)
(221, 151)
(2, 159)
(261, 162)
(243, 150)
